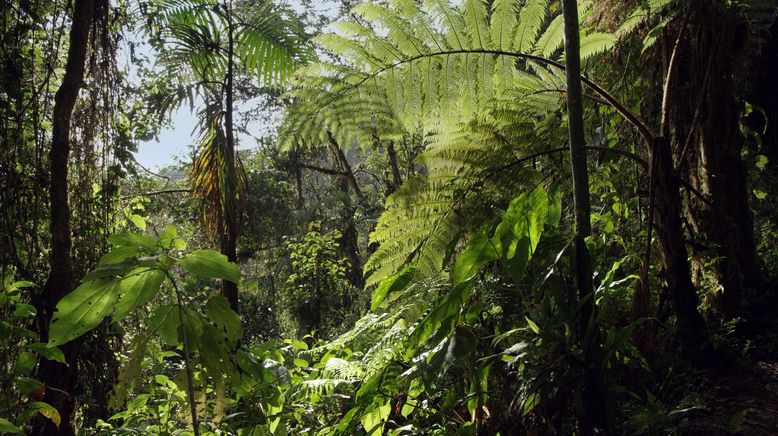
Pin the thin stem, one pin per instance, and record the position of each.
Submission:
(187, 362)
(664, 128)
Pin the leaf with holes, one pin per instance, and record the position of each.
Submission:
(218, 310)
(138, 287)
(83, 309)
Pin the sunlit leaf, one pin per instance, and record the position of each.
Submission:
(83, 309)
(210, 264)
(139, 286)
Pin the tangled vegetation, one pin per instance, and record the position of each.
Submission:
(465, 217)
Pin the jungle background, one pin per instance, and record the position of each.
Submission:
(391, 217)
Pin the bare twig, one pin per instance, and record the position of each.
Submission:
(160, 192)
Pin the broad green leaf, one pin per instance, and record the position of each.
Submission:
(7, 426)
(138, 287)
(25, 362)
(210, 264)
(28, 385)
(519, 232)
(51, 353)
(538, 213)
(5, 330)
(554, 207)
(218, 310)
(138, 221)
(170, 231)
(20, 284)
(463, 343)
(452, 350)
(299, 345)
(48, 411)
(761, 161)
(167, 237)
(24, 311)
(524, 217)
(373, 421)
(532, 325)
(212, 347)
(478, 252)
(279, 371)
(119, 254)
(145, 243)
(479, 388)
(164, 321)
(82, 310)
(449, 305)
(532, 400)
(107, 272)
(392, 284)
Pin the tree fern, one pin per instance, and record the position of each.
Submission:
(444, 69)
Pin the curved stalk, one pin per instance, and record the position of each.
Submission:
(187, 361)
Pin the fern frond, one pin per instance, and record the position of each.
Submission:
(476, 24)
(503, 23)
(418, 224)
(596, 43)
(533, 14)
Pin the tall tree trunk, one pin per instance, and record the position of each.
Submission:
(350, 245)
(348, 240)
(298, 178)
(667, 222)
(592, 414)
(229, 240)
(342, 161)
(715, 161)
(60, 379)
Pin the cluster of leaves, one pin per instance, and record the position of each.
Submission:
(316, 283)
(20, 355)
(434, 356)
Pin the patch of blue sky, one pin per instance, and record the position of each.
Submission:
(175, 140)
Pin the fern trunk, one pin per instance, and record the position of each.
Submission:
(591, 414)
(391, 152)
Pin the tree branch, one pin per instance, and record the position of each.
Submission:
(150, 193)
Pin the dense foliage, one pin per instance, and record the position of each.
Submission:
(466, 217)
